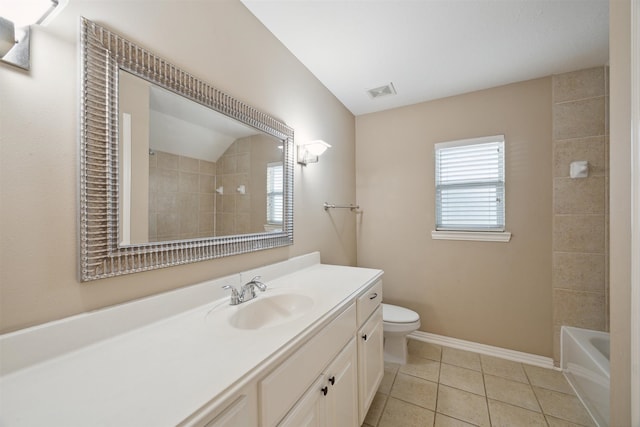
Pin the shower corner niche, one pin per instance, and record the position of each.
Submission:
(148, 147)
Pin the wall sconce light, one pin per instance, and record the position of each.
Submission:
(308, 152)
(15, 30)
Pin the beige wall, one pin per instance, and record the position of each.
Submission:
(620, 211)
(492, 293)
(580, 214)
(219, 41)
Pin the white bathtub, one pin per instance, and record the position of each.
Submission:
(585, 362)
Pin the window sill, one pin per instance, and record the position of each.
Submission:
(474, 236)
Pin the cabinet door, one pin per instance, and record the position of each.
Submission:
(370, 361)
(311, 408)
(342, 382)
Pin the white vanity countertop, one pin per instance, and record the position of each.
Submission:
(161, 373)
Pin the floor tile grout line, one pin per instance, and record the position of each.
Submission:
(386, 401)
(484, 385)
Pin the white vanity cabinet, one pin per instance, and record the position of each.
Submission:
(370, 347)
(240, 409)
(298, 375)
(331, 401)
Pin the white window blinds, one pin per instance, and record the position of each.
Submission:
(275, 198)
(470, 184)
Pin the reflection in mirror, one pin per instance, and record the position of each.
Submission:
(190, 172)
(172, 170)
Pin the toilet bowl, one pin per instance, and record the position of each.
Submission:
(397, 323)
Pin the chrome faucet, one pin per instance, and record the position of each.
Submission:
(247, 291)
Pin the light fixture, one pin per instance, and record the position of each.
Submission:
(15, 31)
(308, 152)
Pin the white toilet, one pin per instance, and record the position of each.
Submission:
(397, 323)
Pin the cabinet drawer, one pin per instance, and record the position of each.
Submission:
(284, 386)
(369, 301)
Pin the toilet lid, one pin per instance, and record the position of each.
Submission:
(395, 314)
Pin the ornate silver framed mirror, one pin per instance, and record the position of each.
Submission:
(210, 176)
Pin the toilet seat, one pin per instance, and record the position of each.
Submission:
(395, 314)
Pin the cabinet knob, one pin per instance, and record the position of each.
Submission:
(332, 380)
(373, 295)
(364, 337)
(324, 390)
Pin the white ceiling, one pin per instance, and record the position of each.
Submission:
(431, 49)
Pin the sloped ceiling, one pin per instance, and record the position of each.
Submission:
(432, 49)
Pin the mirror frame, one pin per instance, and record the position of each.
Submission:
(103, 53)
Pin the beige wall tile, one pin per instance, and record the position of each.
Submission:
(164, 179)
(166, 160)
(402, 414)
(563, 406)
(511, 392)
(465, 406)
(206, 202)
(579, 84)
(167, 224)
(188, 182)
(462, 378)
(243, 203)
(189, 222)
(230, 164)
(578, 233)
(166, 201)
(578, 308)
(205, 224)
(591, 149)
(578, 119)
(579, 196)
(207, 168)
(579, 271)
(503, 415)
(153, 227)
(243, 163)
(462, 358)
(503, 368)
(188, 202)
(153, 201)
(415, 390)
(188, 164)
(243, 223)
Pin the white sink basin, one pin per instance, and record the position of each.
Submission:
(269, 311)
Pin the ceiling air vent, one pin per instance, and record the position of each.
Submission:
(382, 91)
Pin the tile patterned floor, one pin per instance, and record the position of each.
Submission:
(446, 387)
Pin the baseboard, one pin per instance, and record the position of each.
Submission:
(489, 350)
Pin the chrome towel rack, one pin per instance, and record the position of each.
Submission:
(350, 206)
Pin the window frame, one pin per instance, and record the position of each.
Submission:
(272, 194)
(471, 233)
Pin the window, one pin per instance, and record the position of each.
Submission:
(275, 197)
(470, 185)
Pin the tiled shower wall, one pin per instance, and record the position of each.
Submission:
(181, 197)
(233, 208)
(580, 205)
